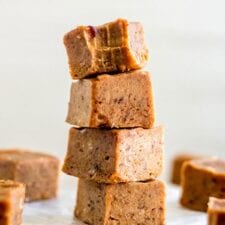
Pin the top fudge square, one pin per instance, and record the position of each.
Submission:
(117, 46)
(39, 172)
(121, 101)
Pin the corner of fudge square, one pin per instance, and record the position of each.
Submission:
(38, 171)
(200, 180)
(12, 195)
(133, 203)
(177, 163)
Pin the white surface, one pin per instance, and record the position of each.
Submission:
(187, 54)
(60, 211)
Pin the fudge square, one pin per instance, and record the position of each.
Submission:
(117, 155)
(12, 196)
(133, 203)
(121, 101)
(216, 211)
(113, 47)
(177, 165)
(39, 172)
(201, 179)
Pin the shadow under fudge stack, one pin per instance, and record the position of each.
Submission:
(114, 148)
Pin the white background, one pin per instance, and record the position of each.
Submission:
(186, 39)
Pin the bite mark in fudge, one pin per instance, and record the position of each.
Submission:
(201, 179)
(216, 211)
(177, 165)
(117, 46)
(39, 172)
(119, 101)
(117, 155)
(132, 203)
(12, 196)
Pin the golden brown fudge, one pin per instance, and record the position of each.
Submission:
(12, 196)
(216, 211)
(120, 101)
(177, 165)
(201, 179)
(39, 172)
(134, 203)
(117, 155)
(117, 46)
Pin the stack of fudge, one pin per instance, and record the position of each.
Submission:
(114, 148)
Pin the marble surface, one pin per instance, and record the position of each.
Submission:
(60, 210)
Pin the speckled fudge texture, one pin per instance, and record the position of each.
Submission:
(117, 155)
(12, 196)
(117, 46)
(39, 172)
(119, 101)
(177, 165)
(216, 211)
(134, 203)
(200, 180)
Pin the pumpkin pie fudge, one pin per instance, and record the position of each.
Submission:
(39, 172)
(216, 211)
(12, 196)
(177, 165)
(130, 203)
(115, 155)
(201, 179)
(119, 101)
(114, 47)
